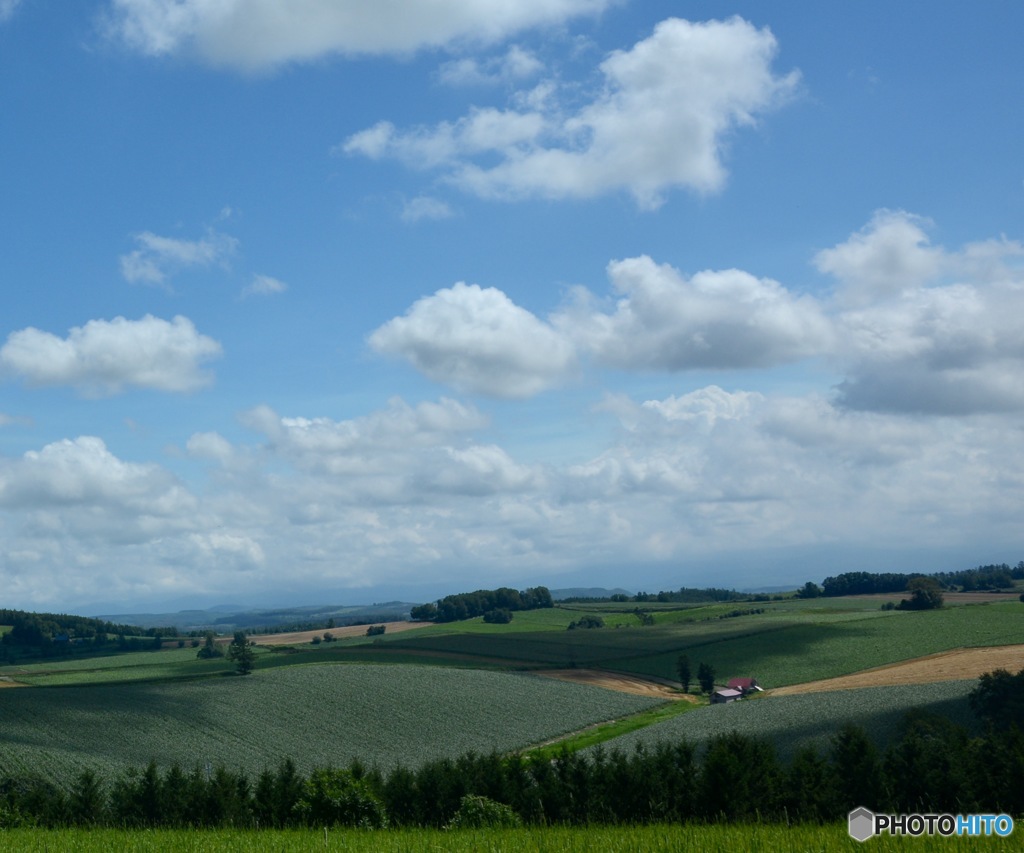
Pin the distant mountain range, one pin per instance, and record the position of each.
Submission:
(226, 618)
(587, 592)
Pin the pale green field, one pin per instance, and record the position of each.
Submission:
(317, 715)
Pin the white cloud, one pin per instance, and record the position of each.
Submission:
(924, 329)
(264, 285)
(311, 442)
(784, 472)
(706, 406)
(479, 470)
(159, 257)
(209, 445)
(478, 340)
(219, 546)
(660, 122)
(258, 34)
(424, 207)
(715, 319)
(889, 256)
(481, 131)
(84, 473)
(105, 356)
(515, 64)
(911, 329)
(406, 494)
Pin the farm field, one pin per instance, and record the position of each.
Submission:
(127, 667)
(789, 643)
(317, 715)
(792, 722)
(441, 690)
(943, 666)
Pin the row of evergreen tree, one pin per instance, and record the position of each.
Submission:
(933, 765)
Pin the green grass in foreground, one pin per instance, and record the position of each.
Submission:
(708, 839)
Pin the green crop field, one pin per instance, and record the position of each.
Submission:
(131, 666)
(316, 715)
(789, 643)
(783, 652)
(810, 719)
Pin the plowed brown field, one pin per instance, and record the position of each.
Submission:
(944, 666)
(347, 631)
(617, 681)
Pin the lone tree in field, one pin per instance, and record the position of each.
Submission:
(242, 653)
(209, 649)
(685, 675)
(706, 677)
(925, 594)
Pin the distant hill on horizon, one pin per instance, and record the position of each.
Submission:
(587, 592)
(225, 619)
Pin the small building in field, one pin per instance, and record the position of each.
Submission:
(745, 685)
(724, 695)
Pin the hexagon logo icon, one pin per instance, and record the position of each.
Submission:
(862, 824)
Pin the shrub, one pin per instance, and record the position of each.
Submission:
(210, 649)
(477, 812)
(499, 616)
(588, 621)
(337, 798)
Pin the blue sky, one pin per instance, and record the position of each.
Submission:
(341, 301)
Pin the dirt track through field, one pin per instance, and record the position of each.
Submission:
(617, 681)
(944, 666)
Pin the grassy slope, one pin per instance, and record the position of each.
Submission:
(823, 645)
(321, 714)
(792, 722)
(791, 642)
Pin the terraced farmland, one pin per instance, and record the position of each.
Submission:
(316, 715)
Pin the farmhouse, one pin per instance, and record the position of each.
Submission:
(745, 685)
(724, 695)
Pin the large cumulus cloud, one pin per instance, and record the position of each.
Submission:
(477, 339)
(659, 122)
(927, 329)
